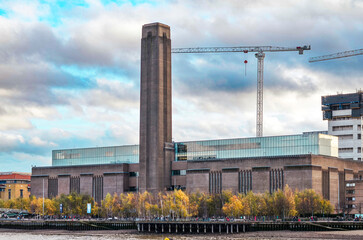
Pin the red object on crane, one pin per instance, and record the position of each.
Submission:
(245, 67)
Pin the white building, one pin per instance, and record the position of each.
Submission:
(344, 114)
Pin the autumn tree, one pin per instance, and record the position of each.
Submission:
(308, 202)
(234, 207)
(284, 202)
(181, 203)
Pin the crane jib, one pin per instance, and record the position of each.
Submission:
(239, 49)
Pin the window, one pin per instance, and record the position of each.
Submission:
(350, 191)
(341, 118)
(350, 199)
(343, 137)
(21, 193)
(342, 128)
(359, 136)
(350, 185)
(345, 150)
(179, 172)
(9, 194)
(132, 189)
(359, 150)
(350, 206)
(346, 106)
(134, 174)
(182, 148)
(182, 158)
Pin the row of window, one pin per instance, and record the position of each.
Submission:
(343, 128)
(9, 193)
(350, 185)
(349, 150)
(14, 181)
(348, 136)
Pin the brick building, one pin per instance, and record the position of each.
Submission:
(14, 185)
(308, 160)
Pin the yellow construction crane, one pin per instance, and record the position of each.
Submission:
(260, 55)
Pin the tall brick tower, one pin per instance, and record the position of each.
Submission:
(156, 149)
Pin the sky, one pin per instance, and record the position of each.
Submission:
(70, 70)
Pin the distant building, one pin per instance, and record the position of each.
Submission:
(14, 185)
(344, 114)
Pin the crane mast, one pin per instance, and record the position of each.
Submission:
(337, 55)
(260, 55)
(259, 118)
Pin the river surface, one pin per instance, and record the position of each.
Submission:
(283, 235)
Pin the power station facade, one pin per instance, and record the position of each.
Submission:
(308, 160)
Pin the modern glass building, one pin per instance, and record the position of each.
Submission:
(97, 155)
(306, 143)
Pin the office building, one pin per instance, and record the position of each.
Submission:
(344, 114)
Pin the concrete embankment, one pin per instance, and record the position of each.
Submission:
(179, 227)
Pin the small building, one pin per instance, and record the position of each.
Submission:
(353, 202)
(14, 185)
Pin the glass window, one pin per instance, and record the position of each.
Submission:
(134, 174)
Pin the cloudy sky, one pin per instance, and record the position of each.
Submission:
(69, 70)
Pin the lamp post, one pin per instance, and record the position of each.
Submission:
(43, 197)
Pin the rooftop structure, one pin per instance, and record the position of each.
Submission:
(344, 114)
(289, 145)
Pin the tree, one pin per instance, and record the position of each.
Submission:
(326, 207)
(107, 205)
(284, 203)
(116, 205)
(308, 202)
(194, 203)
(234, 207)
(181, 203)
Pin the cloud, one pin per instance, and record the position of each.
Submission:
(9, 141)
(36, 141)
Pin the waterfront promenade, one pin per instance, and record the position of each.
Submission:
(180, 227)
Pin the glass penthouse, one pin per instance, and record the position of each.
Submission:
(208, 150)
